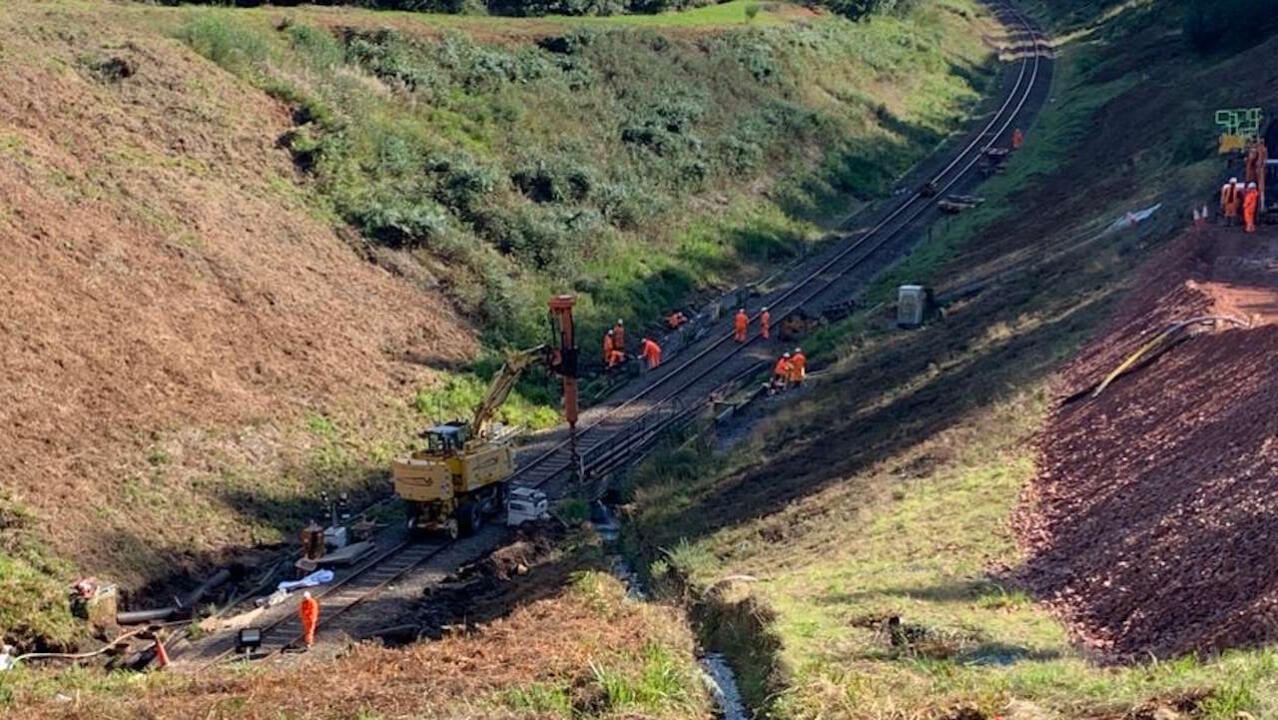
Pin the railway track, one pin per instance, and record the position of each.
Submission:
(610, 434)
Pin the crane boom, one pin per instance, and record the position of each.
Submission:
(503, 382)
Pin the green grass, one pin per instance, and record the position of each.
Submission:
(34, 612)
(905, 465)
(709, 17)
(456, 396)
(529, 172)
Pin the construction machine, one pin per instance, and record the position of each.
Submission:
(460, 477)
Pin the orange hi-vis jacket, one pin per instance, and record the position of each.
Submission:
(607, 347)
(619, 338)
(765, 323)
(309, 611)
(1250, 200)
(782, 368)
(1229, 199)
(798, 367)
(652, 351)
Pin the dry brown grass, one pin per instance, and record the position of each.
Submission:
(548, 644)
(161, 271)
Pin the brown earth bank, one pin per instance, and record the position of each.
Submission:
(1149, 525)
(160, 271)
(536, 630)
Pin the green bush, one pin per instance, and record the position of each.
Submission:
(226, 42)
(1213, 24)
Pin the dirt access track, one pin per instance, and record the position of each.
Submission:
(1150, 526)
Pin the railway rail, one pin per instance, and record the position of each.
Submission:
(672, 395)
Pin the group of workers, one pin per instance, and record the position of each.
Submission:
(614, 348)
(1245, 200)
(741, 325)
(789, 371)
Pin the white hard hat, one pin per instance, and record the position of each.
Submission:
(1251, 185)
(798, 350)
(619, 322)
(765, 308)
(786, 355)
(306, 594)
(1232, 180)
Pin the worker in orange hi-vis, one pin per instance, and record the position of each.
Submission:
(615, 358)
(765, 323)
(309, 613)
(798, 367)
(1018, 139)
(619, 336)
(781, 373)
(740, 324)
(1229, 200)
(1251, 198)
(607, 346)
(651, 352)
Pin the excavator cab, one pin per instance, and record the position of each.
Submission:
(446, 439)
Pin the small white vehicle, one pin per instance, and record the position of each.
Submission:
(525, 504)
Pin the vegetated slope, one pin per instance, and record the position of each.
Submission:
(193, 351)
(169, 296)
(586, 651)
(888, 489)
(631, 166)
(1149, 522)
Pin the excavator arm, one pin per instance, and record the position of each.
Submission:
(501, 386)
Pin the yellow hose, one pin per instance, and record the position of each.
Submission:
(1135, 357)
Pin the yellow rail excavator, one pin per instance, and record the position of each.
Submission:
(460, 477)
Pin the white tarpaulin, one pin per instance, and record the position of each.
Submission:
(319, 577)
(1133, 219)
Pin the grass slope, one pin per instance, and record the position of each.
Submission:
(209, 344)
(630, 166)
(572, 645)
(889, 488)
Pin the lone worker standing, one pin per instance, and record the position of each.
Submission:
(1018, 139)
(740, 324)
(309, 612)
(1251, 199)
(765, 323)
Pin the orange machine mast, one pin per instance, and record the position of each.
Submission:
(564, 358)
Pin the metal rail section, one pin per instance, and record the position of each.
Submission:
(598, 436)
(609, 441)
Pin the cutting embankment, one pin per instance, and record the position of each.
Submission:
(1149, 521)
(865, 552)
(248, 253)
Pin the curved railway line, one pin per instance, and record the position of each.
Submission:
(610, 434)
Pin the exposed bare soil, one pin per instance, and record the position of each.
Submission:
(161, 271)
(1150, 526)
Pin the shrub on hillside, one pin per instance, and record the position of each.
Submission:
(1212, 24)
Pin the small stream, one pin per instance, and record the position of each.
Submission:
(715, 670)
